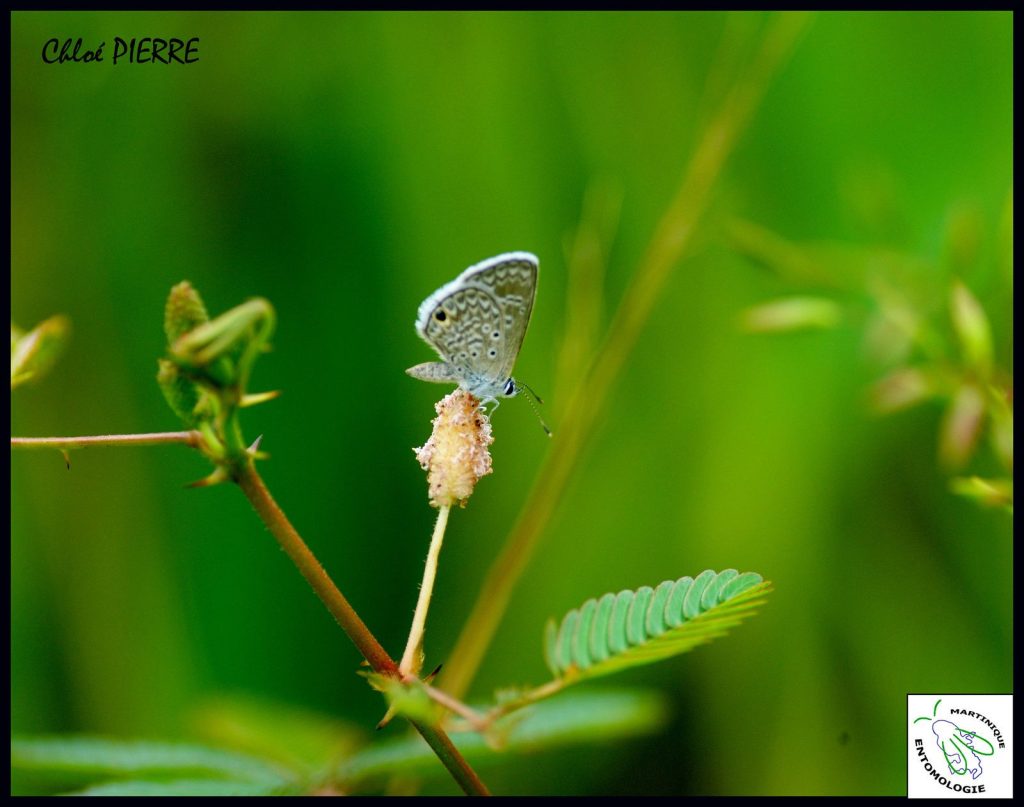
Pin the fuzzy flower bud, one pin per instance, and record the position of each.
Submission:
(184, 311)
(456, 455)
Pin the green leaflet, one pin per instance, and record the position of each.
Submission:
(95, 759)
(182, 787)
(628, 628)
(302, 740)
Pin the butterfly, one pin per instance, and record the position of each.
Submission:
(477, 324)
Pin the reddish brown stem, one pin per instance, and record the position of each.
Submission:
(190, 438)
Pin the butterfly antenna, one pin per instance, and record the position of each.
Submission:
(536, 411)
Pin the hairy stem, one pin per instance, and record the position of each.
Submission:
(412, 659)
(442, 745)
(674, 234)
(277, 522)
(189, 438)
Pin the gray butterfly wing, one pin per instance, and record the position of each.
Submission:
(477, 322)
(461, 328)
(512, 279)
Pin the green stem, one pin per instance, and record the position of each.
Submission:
(256, 491)
(412, 659)
(527, 698)
(190, 438)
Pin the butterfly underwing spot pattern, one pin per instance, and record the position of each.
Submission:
(477, 324)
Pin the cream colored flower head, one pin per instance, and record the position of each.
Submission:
(457, 454)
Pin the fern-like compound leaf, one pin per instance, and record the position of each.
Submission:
(621, 630)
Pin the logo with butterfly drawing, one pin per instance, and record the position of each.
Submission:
(955, 746)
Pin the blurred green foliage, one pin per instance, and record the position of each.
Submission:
(343, 166)
(35, 352)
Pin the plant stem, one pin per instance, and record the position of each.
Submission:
(256, 491)
(476, 720)
(672, 237)
(189, 438)
(277, 522)
(442, 745)
(412, 659)
(534, 695)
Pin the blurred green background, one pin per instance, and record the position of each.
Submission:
(344, 165)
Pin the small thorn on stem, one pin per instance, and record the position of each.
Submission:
(67, 458)
(218, 476)
(258, 397)
(391, 712)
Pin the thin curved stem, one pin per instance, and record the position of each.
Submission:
(412, 659)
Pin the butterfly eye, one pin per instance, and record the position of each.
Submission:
(440, 316)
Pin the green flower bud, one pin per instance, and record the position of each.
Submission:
(184, 311)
